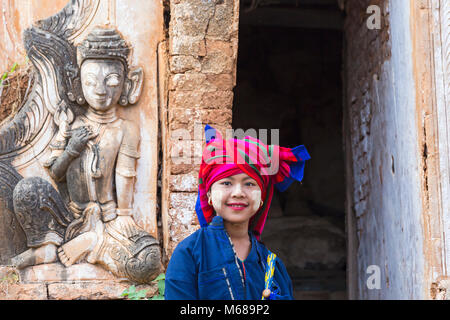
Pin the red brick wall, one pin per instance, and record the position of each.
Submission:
(202, 55)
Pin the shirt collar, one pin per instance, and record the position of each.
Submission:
(217, 221)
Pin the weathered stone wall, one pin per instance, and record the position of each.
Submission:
(54, 282)
(383, 156)
(17, 16)
(202, 54)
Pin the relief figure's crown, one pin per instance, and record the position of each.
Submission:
(104, 43)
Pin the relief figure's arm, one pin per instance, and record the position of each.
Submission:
(58, 164)
(126, 170)
(125, 190)
(125, 180)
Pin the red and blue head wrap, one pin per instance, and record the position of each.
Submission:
(268, 165)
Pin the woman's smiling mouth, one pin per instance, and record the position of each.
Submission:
(237, 206)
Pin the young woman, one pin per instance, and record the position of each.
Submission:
(224, 259)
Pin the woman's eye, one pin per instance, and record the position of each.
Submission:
(250, 184)
(226, 183)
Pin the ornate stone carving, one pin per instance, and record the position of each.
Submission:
(84, 212)
(12, 237)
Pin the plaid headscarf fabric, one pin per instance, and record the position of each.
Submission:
(268, 165)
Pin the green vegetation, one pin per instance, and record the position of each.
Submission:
(132, 294)
(6, 74)
(161, 279)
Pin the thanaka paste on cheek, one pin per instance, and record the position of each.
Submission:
(216, 197)
(256, 198)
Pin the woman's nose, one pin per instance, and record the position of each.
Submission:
(237, 190)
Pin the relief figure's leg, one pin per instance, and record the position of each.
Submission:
(34, 256)
(43, 217)
(130, 251)
(88, 237)
(70, 252)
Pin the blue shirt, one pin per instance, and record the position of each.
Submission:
(204, 266)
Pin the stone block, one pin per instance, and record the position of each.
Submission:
(195, 129)
(201, 82)
(183, 200)
(225, 47)
(184, 182)
(218, 99)
(178, 232)
(199, 99)
(221, 82)
(191, 18)
(181, 64)
(221, 24)
(184, 115)
(188, 46)
(184, 127)
(217, 62)
(57, 272)
(186, 82)
(182, 168)
(182, 151)
(182, 121)
(185, 99)
(182, 218)
(93, 290)
(217, 116)
(18, 291)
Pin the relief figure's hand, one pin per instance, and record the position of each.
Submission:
(78, 140)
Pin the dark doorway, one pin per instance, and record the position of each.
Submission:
(289, 78)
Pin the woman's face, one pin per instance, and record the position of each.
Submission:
(236, 198)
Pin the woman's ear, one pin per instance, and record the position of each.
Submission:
(132, 88)
(208, 194)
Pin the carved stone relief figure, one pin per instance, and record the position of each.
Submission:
(86, 213)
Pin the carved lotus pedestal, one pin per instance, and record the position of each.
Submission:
(83, 281)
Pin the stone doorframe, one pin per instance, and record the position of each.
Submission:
(430, 32)
(430, 36)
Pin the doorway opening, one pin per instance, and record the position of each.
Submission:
(289, 77)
